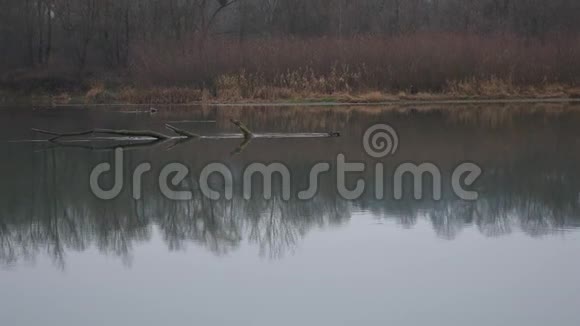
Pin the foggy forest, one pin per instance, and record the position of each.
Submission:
(185, 50)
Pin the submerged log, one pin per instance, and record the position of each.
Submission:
(182, 132)
(155, 138)
(127, 133)
(245, 131)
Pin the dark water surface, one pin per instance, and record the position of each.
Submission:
(509, 258)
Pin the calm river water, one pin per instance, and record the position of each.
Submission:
(511, 257)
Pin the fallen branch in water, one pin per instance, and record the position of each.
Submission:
(128, 133)
(248, 136)
(107, 148)
(245, 131)
(240, 149)
(182, 132)
(155, 138)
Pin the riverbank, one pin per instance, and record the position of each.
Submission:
(462, 92)
(370, 69)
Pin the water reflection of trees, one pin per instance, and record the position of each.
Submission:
(46, 206)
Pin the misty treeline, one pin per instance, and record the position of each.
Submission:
(206, 38)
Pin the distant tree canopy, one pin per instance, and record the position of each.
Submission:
(34, 32)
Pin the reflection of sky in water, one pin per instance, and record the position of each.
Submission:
(364, 272)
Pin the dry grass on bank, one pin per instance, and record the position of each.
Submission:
(425, 62)
(361, 69)
(368, 69)
(466, 90)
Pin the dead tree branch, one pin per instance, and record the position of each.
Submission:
(182, 132)
(128, 133)
(247, 133)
